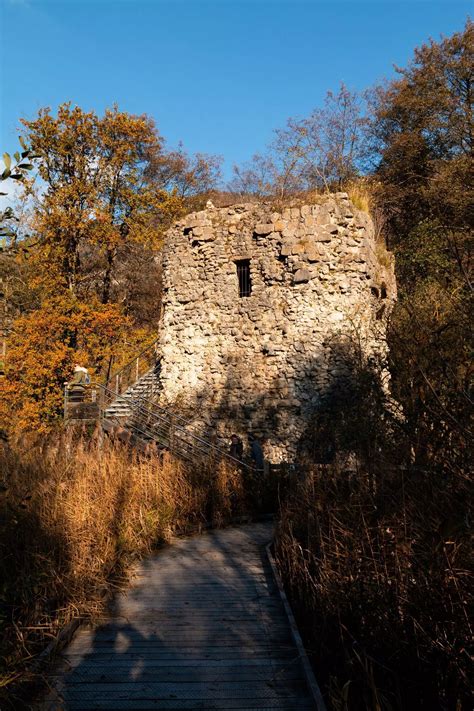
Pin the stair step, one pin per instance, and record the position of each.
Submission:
(130, 410)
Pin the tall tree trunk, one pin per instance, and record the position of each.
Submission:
(107, 285)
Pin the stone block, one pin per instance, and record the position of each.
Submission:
(197, 219)
(312, 255)
(262, 228)
(204, 234)
(322, 215)
(322, 236)
(298, 248)
(301, 276)
(278, 226)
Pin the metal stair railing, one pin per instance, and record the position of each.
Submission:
(132, 371)
(171, 431)
(176, 437)
(147, 419)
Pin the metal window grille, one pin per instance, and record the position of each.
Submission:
(243, 274)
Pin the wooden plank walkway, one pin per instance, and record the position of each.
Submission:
(202, 626)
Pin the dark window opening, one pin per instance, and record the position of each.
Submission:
(195, 243)
(243, 274)
(383, 291)
(374, 291)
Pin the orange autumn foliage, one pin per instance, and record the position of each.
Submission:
(95, 205)
(81, 274)
(45, 345)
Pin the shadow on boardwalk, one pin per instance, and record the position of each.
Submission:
(201, 627)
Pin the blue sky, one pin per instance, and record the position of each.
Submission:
(217, 75)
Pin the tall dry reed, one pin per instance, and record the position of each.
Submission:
(377, 564)
(376, 551)
(75, 512)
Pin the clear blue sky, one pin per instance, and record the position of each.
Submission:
(217, 75)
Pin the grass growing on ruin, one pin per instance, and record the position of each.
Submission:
(75, 513)
(361, 194)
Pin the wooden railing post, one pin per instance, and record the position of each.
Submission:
(100, 396)
(65, 400)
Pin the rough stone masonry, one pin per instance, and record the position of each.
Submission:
(258, 308)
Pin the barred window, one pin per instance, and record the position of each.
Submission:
(243, 275)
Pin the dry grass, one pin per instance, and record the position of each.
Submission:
(380, 576)
(361, 195)
(384, 257)
(76, 512)
(376, 552)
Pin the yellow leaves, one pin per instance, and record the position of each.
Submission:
(98, 195)
(135, 134)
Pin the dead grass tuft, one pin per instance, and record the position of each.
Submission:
(361, 195)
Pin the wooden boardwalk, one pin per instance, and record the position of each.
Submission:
(202, 626)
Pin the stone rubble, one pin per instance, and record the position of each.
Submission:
(264, 362)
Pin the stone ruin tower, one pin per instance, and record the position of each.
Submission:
(256, 305)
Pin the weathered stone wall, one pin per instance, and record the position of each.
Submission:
(264, 363)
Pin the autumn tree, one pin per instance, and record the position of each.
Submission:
(94, 197)
(112, 189)
(14, 172)
(423, 130)
(105, 192)
(44, 345)
(322, 151)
